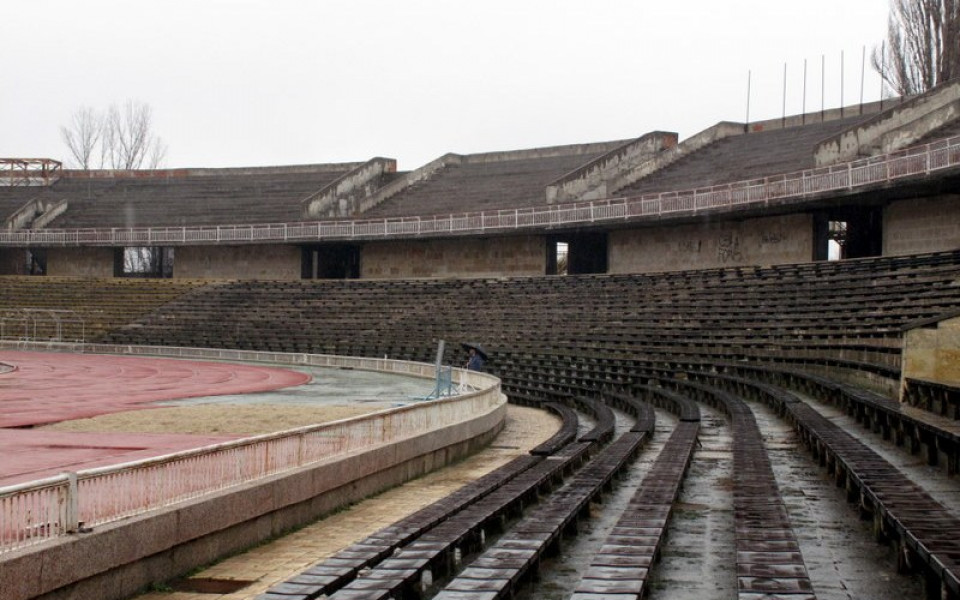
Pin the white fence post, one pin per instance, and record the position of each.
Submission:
(71, 514)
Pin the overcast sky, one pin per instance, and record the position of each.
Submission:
(271, 82)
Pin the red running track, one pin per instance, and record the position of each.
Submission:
(49, 387)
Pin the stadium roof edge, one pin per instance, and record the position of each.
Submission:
(208, 172)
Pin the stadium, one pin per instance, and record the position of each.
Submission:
(744, 341)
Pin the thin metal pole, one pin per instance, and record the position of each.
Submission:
(746, 124)
(823, 87)
(783, 114)
(841, 84)
(863, 70)
(883, 52)
(803, 112)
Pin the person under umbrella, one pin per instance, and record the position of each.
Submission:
(476, 357)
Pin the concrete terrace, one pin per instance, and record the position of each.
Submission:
(742, 157)
(213, 197)
(493, 181)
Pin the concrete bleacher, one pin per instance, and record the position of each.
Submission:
(212, 198)
(741, 157)
(717, 336)
(841, 312)
(102, 305)
(843, 319)
(13, 198)
(482, 182)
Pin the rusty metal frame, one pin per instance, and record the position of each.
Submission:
(29, 171)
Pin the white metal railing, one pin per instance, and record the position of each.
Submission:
(34, 512)
(921, 160)
(36, 324)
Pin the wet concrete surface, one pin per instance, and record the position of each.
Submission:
(340, 386)
(562, 573)
(842, 557)
(698, 558)
(933, 479)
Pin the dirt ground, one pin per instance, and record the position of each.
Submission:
(216, 418)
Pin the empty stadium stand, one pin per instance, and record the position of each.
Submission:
(620, 358)
(481, 182)
(742, 157)
(825, 314)
(824, 329)
(101, 305)
(215, 197)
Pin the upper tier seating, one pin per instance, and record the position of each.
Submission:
(741, 157)
(192, 200)
(12, 198)
(819, 312)
(469, 187)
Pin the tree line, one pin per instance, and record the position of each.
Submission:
(119, 137)
(922, 47)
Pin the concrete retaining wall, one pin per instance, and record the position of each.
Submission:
(80, 262)
(115, 561)
(674, 153)
(36, 214)
(467, 257)
(759, 241)
(824, 116)
(921, 225)
(590, 181)
(398, 185)
(893, 129)
(13, 261)
(343, 197)
(933, 353)
(237, 262)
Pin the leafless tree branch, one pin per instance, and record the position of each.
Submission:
(922, 48)
(82, 136)
(123, 135)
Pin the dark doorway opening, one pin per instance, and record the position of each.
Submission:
(36, 261)
(576, 254)
(330, 261)
(848, 232)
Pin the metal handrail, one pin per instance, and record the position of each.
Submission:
(42, 320)
(796, 186)
(38, 511)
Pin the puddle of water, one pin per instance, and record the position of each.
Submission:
(207, 585)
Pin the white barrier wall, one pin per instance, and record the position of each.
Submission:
(34, 512)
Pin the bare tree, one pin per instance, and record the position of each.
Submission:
(123, 136)
(83, 135)
(922, 48)
(128, 138)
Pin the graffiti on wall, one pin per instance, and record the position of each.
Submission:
(771, 237)
(728, 248)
